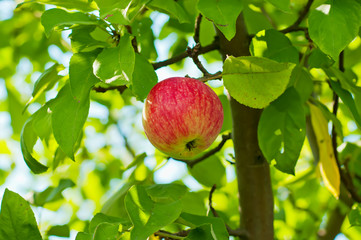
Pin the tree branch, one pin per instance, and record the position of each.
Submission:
(193, 162)
(213, 46)
(303, 14)
(253, 171)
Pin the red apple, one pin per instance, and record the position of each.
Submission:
(182, 117)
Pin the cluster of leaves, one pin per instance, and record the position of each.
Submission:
(292, 74)
(111, 51)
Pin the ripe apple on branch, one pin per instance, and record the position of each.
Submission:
(182, 117)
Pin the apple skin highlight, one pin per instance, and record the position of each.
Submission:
(182, 117)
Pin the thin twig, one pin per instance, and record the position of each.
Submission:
(171, 236)
(294, 29)
(213, 46)
(214, 212)
(126, 142)
(193, 162)
(197, 28)
(121, 89)
(241, 233)
(217, 75)
(303, 14)
(225, 138)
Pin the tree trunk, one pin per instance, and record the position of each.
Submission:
(253, 173)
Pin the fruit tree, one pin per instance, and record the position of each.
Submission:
(180, 119)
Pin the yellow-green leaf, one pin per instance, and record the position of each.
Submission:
(328, 166)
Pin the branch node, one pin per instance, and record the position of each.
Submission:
(194, 53)
(213, 46)
(295, 26)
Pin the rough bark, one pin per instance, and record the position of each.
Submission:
(253, 173)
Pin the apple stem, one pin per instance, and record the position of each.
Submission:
(191, 144)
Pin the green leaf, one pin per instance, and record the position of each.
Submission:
(82, 40)
(352, 154)
(114, 11)
(209, 172)
(172, 8)
(106, 231)
(100, 218)
(144, 77)
(318, 59)
(302, 82)
(59, 157)
(282, 131)
(71, 106)
(350, 85)
(27, 141)
(57, 18)
(115, 206)
(273, 45)
(142, 30)
(333, 26)
(83, 5)
(42, 122)
(68, 117)
(255, 81)
(355, 216)
(283, 5)
(348, 100)
(218, 227)
(254, 20)
(46, 81)
(17, 220)
(177, 48)
(81, 75)
(137, 160)
(59, 231)
(52, 194)
(194, 203)
(15, 109)
(115, 65)
(204, 232)
(166, 193)
(227, 121)
(223, 13)
(83, 236)
(151, 208)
